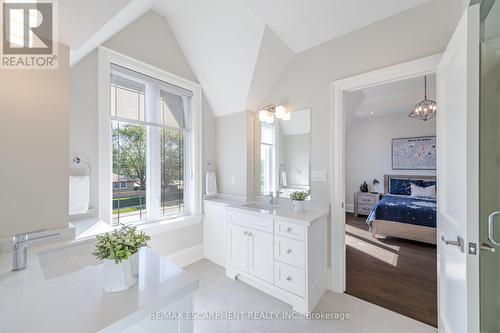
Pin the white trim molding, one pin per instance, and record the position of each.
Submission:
(187, 256)
(193, 186)
(415, 68)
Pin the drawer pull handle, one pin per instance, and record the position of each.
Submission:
(289, 278)
(288, 229)
(250, 234)
(288, 251)
(245, 233)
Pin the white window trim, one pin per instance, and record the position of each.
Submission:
(193, 185)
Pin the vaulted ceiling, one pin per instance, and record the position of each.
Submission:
(237, 49)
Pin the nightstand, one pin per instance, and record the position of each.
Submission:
(364, 201)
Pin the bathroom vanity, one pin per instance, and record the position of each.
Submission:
(62, 291)
(276, 250)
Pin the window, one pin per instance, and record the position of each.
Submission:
(149, 120)
(119, 185)
(267, 156)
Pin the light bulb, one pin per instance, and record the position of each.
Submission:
(279, 111)
(262, 115)
(269, 118)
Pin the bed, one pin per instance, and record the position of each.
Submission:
(400, 215)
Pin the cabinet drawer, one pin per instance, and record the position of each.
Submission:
(364, 209)
(290, 230)
(250, 220)
(290, 278)
(289, 251)
(366, 199)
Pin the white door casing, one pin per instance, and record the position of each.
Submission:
(458, 177)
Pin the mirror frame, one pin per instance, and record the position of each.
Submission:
(257, 142)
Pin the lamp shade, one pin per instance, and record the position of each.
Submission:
(279, 111)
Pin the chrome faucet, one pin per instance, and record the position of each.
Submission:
(20, 248)
(272, 196)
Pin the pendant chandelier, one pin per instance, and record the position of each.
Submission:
(425, 109)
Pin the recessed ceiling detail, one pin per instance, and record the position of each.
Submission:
(395, 97)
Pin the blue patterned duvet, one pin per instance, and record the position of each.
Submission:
(405, 209)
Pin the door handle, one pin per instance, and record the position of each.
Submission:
(458, 243)
(491, 228)
(486, 247)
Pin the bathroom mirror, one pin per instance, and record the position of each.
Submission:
(283, 154)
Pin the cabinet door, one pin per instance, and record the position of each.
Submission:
(261, 253)
(214, 233)
(237, 247)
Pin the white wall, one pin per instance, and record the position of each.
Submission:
(34, 148)
(148, 39)
(232, 135)
(306, 83)
(368, 148)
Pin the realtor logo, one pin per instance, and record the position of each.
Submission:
(28, 35)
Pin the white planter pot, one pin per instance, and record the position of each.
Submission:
(298, 206)
(121, 276)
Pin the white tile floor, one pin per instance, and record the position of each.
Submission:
(218, 293)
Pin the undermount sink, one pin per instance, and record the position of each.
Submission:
(260, 206)
(67, 259)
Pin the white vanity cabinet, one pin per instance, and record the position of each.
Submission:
(248, 248)
(214, 231)
(282, 255)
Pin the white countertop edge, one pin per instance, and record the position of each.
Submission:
(145, 312)
(307, 217)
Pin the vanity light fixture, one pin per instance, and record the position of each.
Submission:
(268, 113)
(425, 109)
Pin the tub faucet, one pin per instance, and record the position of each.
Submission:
(20, 247)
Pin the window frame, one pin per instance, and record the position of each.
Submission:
(193, 135)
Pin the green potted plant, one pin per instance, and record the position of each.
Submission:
(118, 251)
(298, 198)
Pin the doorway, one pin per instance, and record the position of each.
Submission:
(395, 267)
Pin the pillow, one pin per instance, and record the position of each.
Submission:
(400, 186)
(423, 192)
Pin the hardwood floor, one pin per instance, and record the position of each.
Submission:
(399, 275)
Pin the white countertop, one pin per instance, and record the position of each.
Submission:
(54, 294)
(309, 215)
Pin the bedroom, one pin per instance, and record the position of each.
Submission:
(390, 197)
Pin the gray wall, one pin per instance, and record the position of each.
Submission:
(306, 83)
(233, 135)
(34, 150)
(148, 39)
(369, 149)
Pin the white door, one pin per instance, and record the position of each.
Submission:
(457, 178)
(260, 252)
(237, 247)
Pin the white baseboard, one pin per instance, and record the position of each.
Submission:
(187, 256)
(329, 279)
(349, 208)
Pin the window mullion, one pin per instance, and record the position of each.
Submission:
(153, 176)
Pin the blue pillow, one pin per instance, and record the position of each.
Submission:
(427, 183)
(403, 186)
(400, 186)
